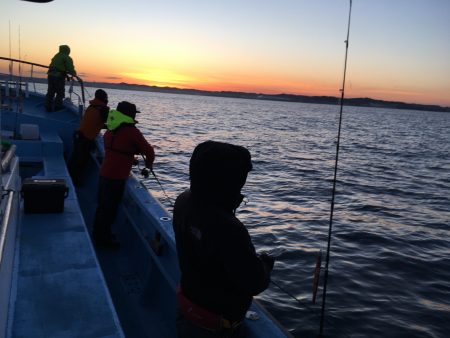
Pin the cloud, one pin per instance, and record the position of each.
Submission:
(113, 77)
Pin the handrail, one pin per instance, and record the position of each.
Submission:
(80, 81)
(5, 221)
(6, 160)
(21, 61)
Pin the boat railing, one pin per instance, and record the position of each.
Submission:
(9, 193)
(6, 159)
(5, 222)
(14, 84)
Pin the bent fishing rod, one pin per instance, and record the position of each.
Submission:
(327, 260)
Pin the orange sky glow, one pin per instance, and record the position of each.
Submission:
(274, 49)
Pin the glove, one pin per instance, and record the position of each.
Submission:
(267, 260)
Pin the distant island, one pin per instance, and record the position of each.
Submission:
(360, 102)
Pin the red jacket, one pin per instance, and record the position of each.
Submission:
(120, 147)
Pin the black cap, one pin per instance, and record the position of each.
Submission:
(128, 109)
(101, 95)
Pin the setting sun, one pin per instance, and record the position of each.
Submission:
(161, 78)
(269, 49)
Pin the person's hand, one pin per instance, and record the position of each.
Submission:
(267, 260)
(144, 172)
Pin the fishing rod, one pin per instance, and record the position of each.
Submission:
(144, 172)
(327, 260)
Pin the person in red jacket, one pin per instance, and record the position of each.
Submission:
(122, 141)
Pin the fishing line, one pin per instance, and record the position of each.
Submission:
(307, 307)
(164, 192)
(89, 94)
(301, 302)
(10, 57)
(335, 178)
(144, 172)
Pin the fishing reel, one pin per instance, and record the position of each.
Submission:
(145, 172)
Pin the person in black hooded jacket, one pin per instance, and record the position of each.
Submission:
(220, 270)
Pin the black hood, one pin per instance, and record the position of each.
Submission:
(218, 172)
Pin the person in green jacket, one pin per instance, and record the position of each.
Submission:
(60, 66)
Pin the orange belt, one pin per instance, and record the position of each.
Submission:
(201, 316)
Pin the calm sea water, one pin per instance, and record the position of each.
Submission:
(390, 255)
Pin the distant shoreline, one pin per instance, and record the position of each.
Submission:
(359, 102)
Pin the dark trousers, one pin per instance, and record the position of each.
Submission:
(78, 161)
(55, 87)
(110, 193)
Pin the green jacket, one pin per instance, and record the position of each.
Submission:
(62, 63)
(116, 118)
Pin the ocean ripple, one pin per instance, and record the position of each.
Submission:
(389, 264)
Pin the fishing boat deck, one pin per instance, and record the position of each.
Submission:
(32, 111)
(59, 288)
(62, 287)
(142, 297)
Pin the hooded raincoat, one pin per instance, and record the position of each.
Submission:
(62, 63)
(60, 66)
(220, 270)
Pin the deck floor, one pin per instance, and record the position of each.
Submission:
(59, 288)
(138, 317)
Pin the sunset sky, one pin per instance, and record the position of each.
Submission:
(399, 49)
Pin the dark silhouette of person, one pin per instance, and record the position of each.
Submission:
(60, 66)
(122, 141)
(93, 121)
(220, 269)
